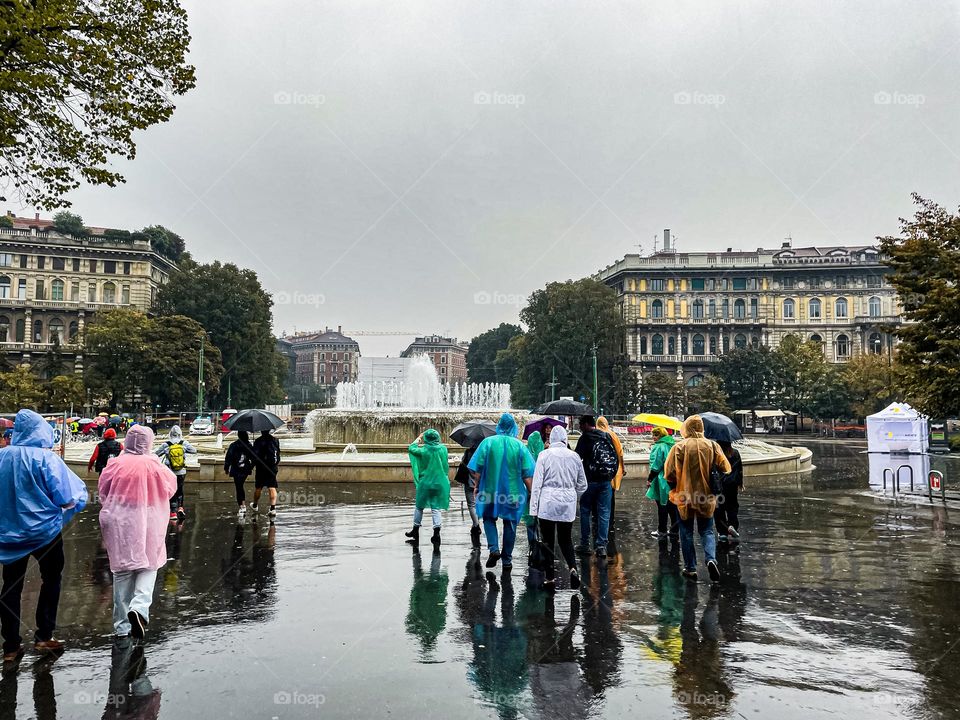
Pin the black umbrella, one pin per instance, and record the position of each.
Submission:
(564, 407)
(253, 421)
(719, 427)
(472, 432)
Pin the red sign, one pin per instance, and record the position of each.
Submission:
(935, 479)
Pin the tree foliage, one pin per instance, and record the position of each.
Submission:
(64, 392)
(800, 371)
(232, 305)
(708, 396)
(482, 354)
(69, 223)
(871, 381)
(925, 265)
(76, 80)
(748, 376)
(20, 388)
(166, 242)
(663, 393)
(623, 397)
(114, 350)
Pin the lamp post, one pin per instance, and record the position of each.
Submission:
(596, 396)
(200, 379)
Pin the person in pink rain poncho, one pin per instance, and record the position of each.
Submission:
(135, 491)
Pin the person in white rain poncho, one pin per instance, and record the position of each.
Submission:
(558, 483)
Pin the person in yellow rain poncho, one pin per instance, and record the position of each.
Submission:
(689, 467)
(603, 425)
(431, 477)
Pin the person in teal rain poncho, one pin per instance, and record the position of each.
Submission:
(503, 469)
(431, 476)
(39, 495)
(658, 490)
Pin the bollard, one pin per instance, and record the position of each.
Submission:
(935, 482)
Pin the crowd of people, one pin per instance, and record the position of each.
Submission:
(694, 483)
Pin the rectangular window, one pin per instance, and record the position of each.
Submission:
(873, 281)
(443, 358)
(125, 295)
(110, 266)
(38, 295)
(76, 264)
(93, 265)
(126, 268)
(6, 260)
(56, 290)
(698, 284)
(657, 285)
(840, 281)
(752, 284)
(815, 282)
(75, 291)
(23, 261)
(754, 308)
(41, 262)
(58, 263)
(92, 292)
(22, 288)
(787, 283)
(739, 283)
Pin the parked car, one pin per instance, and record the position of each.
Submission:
(202, 426)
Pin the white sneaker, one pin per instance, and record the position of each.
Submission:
(242, 511)
(732, 532)
(255, 508)
(272, 513)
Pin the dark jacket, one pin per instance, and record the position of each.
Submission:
(266, 449)
(585, 450)
(106, 449)
(734, 478)
(463, 472)
(239, 461)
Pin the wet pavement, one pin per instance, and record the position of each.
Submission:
(835, 604)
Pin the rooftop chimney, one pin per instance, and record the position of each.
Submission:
(36, 216)
(340, 329)
(666, 240)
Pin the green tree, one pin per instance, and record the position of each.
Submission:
(115, 351)
(169, 371)
(69, 223)
(52, 362)
(925, 267)
(232, 305)
(166, 242)
(509, 366)
(5, 222)
(708, 396)
(663, 393)
(832, 396)
(623, 397)
(20, 388)
(76, 80)
(565, 320)
(64, 392)
(871, 381)
(482, 354)
(748, 376)
(800, 368)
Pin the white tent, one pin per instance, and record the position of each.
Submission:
(898, 428)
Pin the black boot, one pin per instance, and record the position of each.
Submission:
(475, 537)
(436, 537)
(414, 535)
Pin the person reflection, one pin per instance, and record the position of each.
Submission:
(668, 586)
(699, 679)
(130, 693)
(427, 616)
(602, 647)
(264, 567)
(44, 693)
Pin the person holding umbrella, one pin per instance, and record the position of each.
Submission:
(238, 463)
(469, 435)
(266, 452)
(431, 477)
(722, 429)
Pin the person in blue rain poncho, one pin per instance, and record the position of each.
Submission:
(503, 469)
(39, 495)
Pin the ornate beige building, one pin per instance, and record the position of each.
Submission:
(684, 310)
(449, 356)
(51, 284)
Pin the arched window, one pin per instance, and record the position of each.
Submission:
(843, 346)
(713, 344)
(4, 286)
(713, 309)
(698, 309)
(814, 309)
(109, 293)
(55, 330)
(671, 345)
(816, 338)
(739, 309)
(695, 381)
(755, 341)
(20, 330)
(684, 350)
(38, 331)
(789, 309)
(698, 345)
(841, 307)
(740, 341)
(875, 343)
(657, 344)
(643, 344)
(726, 343)
(4, 328)
(873, 306)
(74, 329)
(656, 309)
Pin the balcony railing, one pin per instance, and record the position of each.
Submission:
(672, 359)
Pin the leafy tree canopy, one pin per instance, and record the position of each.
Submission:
(69, 223)
(482, 354)
(76, 80)
(20, 388)
(166, 242)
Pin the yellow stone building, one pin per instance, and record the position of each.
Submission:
(684, 310)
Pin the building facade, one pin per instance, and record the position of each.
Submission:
(322, 358)
(685, 310)
(448, 355)
(52, 284)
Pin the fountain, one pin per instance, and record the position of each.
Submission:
(386, 415)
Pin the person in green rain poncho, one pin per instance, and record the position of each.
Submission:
(658, 490)
(535, 446)
(431, 477)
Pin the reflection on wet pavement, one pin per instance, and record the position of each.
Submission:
(835, 604)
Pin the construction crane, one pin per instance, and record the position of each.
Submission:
(415, 333)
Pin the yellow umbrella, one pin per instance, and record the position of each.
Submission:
(664, 421)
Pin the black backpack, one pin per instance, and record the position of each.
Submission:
(604, 462)
(107, 450)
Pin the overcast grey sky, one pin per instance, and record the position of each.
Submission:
(425, 165)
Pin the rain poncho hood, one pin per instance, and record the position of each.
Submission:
(659, 490)
(135, 491)
(689, 464)
(431, 472)
(603, 425)
(39, 494)
(558, 436)
(176, 434)
(535, 443)
(502, 462)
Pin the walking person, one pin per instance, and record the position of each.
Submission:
(104, 450)
(728, 503)
(39, 495)
(657, 488)
(173, 452)
(266, 453)
(134, 493)
(688, 470)
(502, 468)
(558, 482)
(535, 446)
(600, 463)
(431, 477)
(238, 463)
(603, 425)
(464, 478)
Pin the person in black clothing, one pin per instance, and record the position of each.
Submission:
(600, 465)
(107, 448)
(728, 504)
(266, 452)
(238, 463)
(469, 491)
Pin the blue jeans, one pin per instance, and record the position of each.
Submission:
(509, 538)
(418, 517)
(708, 537)
(595, 501)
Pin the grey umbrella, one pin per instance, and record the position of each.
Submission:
(472, 432)
(253, 421)
(720, 428)
(564, 407)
